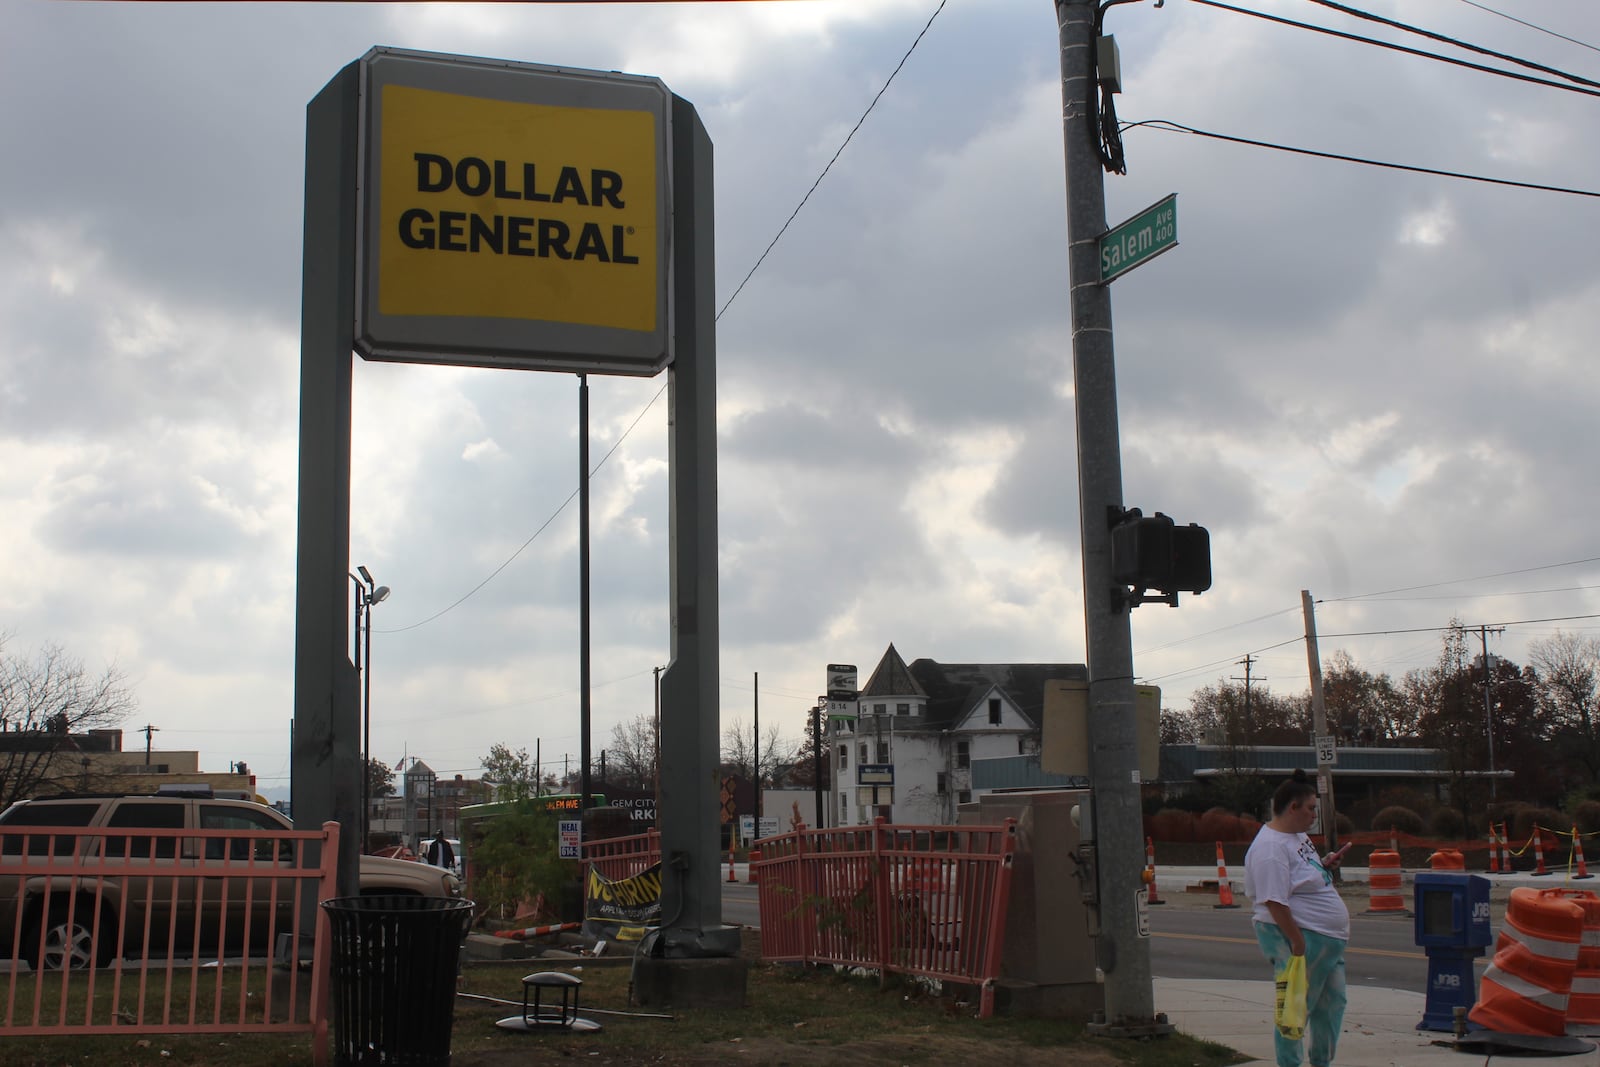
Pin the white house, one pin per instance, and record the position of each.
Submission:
(929, 722)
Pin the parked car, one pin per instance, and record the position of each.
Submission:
(175, 899)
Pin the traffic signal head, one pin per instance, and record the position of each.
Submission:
(1155, 553)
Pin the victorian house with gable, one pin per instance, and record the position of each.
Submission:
(930, 721)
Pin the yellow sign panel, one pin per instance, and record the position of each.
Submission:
(500, 209)
(513, 215)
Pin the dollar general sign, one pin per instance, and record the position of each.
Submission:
(513, 215)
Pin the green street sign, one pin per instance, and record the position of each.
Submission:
(1139, 240)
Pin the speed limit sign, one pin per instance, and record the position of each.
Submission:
(1327, 755)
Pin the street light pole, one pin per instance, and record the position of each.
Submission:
(366, 595)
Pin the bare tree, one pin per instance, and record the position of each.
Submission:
(45, 700)
(631, 755)
(738, 751)
(1568, 688)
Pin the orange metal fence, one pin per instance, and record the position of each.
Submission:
(922, 900)
(622, 857)
(136, 930)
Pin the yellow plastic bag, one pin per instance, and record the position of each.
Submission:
(1289, 1012)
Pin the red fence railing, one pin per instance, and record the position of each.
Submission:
(922, 900)
(132, 930)
(622, 857)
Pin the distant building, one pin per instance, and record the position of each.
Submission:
(94, 761)
(925, 725)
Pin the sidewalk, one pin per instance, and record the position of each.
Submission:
(1379, 1024)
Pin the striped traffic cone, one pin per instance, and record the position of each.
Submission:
(1538, 853)
(1494, 849)
(1224, 890)
(731, 876)
(1150, 870)
(1505, 849)
(1577, 855)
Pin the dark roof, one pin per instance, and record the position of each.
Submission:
(890, 678)
(953, 689)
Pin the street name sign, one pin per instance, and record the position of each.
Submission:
(1139, 240)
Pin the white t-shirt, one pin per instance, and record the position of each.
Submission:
(1286, 868)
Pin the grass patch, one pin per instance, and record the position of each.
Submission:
(794, 1016)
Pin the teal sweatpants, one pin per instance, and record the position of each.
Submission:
(1325, 996)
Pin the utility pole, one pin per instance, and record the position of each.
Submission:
(655, 775)
(538, 766)
(583, 587)
(1122, 950)
(816, 756)
(148, 730)
(1488, 704)
(1249, 719)
(756, 761)
(1319, 729)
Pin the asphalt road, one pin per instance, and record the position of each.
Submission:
(1189, 941)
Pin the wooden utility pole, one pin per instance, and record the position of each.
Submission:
(147, 731)
(1323, 741)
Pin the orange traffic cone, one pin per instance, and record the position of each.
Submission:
(1150, 872)
(1505, 849)
(1224, 890)
(1577, 855)
(1494, 849)
(731, 876)
(1538, 853)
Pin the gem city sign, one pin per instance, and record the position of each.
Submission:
(513, 215)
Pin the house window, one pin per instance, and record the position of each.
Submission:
(883, 752)
(1022, 745)
(878, 709)
(844, 757)
(943, 785)
(844, 807)
(964, 797)
(863, 753)
(994, 711)
(902, 709)
(963, 753)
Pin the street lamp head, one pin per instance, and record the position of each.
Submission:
(379, 595)
(366, 575)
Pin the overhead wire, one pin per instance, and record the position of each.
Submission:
(751, 273)
(1531, 25)
(1368, 16)
(1391, 46)
(1169, 126)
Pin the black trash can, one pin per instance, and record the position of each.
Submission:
(393, 986)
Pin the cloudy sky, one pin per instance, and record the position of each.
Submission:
(1367, 383)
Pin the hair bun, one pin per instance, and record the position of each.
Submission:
(1299, 775)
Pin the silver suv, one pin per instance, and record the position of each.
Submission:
(158, 908)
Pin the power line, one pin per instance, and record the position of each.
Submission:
(1168, 126)
(1458, 581)
(1443, 39)
(542, 527)
(1514, 75)
(770, 246)
(1530, 25)
(792, 215)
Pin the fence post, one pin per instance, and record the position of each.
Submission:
(321, 948)
(880, 899)
(808, 894)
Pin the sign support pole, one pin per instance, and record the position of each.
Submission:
(1122, 954)
(325, 780)
(691, 898)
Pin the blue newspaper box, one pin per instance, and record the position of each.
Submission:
(1452, 924)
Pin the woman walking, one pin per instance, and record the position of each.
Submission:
(1298, 912)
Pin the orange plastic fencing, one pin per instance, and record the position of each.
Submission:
(164, 931)
(1529, 982)
(922, 900)
(1384, 882)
